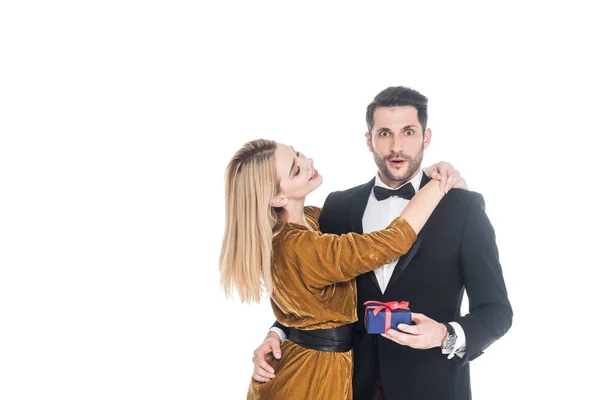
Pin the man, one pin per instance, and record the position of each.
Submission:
(456, 250)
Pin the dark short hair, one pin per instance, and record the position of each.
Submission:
(396, 96)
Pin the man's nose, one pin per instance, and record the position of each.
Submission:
(397, 144)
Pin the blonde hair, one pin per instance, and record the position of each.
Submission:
(250, 184)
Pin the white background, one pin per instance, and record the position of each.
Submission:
(117, 119)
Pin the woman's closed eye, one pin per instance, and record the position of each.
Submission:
(298, 167)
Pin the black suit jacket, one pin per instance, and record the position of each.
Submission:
(456, 250)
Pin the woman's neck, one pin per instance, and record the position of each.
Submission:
(294, 212)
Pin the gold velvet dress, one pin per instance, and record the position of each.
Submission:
(314, 288)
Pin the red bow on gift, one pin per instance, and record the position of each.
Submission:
(387, 308)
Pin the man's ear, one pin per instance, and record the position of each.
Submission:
(369, 142)
(279, 201)
(426, 138)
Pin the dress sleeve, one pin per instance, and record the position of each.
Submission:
(324, 259)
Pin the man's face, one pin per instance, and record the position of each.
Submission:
(397, 142)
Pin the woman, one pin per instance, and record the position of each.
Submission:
(273, 240)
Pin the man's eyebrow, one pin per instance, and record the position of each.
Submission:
(407, 127)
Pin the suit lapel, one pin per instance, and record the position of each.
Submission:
(424, 180)
(403, 262)
(358, 204)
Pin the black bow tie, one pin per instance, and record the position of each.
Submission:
(406, 192)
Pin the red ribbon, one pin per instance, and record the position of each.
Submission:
(387, 308)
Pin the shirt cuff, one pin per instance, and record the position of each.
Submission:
(460, 346)
(279, 332)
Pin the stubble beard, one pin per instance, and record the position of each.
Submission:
(413, 165)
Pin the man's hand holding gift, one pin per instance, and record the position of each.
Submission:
(426, 333)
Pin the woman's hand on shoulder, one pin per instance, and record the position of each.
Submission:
(448, 176)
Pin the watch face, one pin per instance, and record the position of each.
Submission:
(449, 342)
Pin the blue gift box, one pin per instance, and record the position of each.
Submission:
(378, 315)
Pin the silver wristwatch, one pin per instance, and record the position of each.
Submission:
(450, 339)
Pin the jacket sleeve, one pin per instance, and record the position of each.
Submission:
(284, 328)
(490, 313)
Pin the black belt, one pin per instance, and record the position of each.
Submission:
(338, 340)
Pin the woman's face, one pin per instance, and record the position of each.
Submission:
(296, 174)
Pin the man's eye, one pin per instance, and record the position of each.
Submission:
(384, 133)
(410, 132)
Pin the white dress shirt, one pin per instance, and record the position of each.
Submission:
(377, 216)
